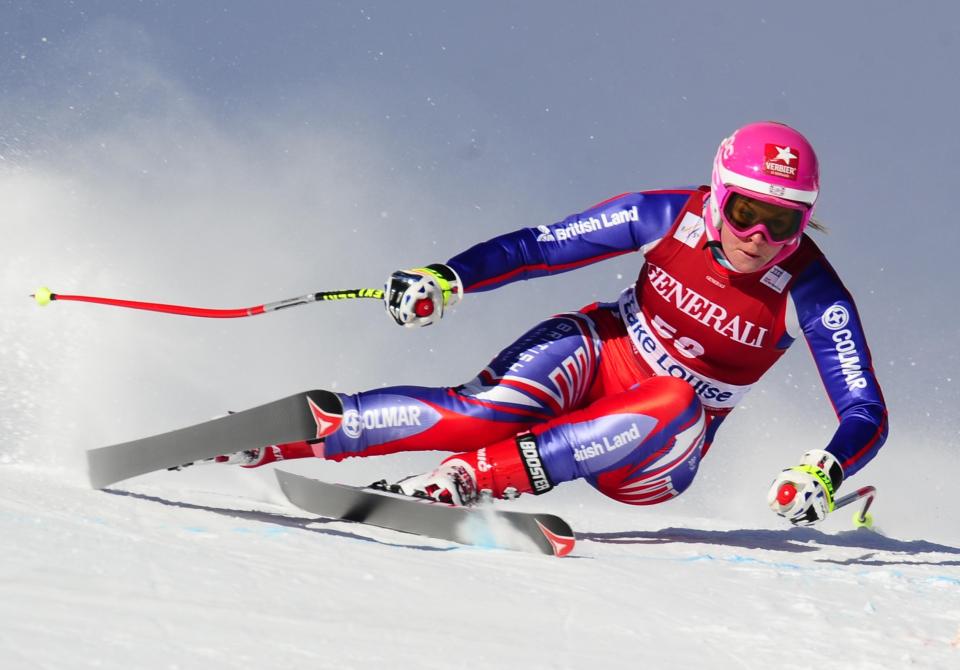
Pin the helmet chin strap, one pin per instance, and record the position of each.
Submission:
(717, 250)
(714, 244)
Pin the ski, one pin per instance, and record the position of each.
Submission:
(302, 417)
(477, 526)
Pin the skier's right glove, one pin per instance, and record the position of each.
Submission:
(804, 493)
(420, 296)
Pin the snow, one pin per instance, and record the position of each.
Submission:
(212, 569)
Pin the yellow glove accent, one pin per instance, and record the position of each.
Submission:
(824, 479)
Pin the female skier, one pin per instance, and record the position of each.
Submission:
(629, 394)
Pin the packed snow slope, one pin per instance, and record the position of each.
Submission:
(212, 569)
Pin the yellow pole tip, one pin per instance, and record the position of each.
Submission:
(43, 296)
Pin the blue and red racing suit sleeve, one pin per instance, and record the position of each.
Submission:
(831, 325)
(616, 226)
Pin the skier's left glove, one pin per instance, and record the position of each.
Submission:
(804, 493)
(419, 297)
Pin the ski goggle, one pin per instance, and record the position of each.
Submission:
(779, 221)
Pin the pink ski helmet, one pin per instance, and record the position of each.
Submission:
(775, 164)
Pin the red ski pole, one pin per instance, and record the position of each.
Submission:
(44, 296)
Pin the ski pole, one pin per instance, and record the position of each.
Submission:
(44, 296)
(861, 519)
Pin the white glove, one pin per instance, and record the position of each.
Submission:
(804, 493)
(420, 296)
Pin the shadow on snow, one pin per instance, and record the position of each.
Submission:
(300, 523)
(794, 540)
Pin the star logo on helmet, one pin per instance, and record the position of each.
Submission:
(781, 161)
(785, 154)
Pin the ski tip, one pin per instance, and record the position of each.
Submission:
(290, 484)
(97, 477)
(284, 478)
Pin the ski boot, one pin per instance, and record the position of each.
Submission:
(503, 470)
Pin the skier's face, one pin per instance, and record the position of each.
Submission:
(749, 254)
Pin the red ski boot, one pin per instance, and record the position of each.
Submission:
(503, 470)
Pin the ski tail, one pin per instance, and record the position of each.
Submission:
(307, 416)
(557, 533)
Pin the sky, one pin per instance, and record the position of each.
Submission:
(226, 154)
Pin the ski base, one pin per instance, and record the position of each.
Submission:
(477, 526)
(301, 417)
